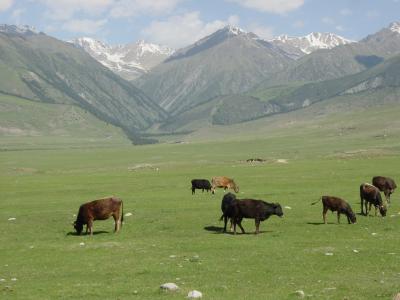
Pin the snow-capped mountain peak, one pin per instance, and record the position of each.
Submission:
(312, 41)
(395, 27)
(234, 30)
(129, 61)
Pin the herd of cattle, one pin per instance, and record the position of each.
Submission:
(237, 209)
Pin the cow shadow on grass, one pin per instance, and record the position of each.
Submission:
(219, 230)
(320, 223)
(83, 234)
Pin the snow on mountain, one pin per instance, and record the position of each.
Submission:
(311, 42)
(395, 27)
(129, 61)
(20, 29)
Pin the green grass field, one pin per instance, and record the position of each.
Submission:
(175, 237)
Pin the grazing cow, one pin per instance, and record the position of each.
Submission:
(226, 207)
(258, 210)
(385, 185)
(223, 182)
(336, 204)
(371, 195)
(100, 209)
(202, 184)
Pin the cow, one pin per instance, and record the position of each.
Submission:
(223, 182)
(385, 185)
(258, 210)
(226, 207)
(100, 209)
(202, 184)
(371, 195)
(336, 204)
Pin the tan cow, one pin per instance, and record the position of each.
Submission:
(223, 182)
(100, 209)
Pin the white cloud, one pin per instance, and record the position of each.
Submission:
(264, 32)
(5, 4)
(346, 12)
(84, 26)
(65, 9)
(182, 30)
(129, 8)
(272, 6)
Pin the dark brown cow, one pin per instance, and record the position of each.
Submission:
(371, 195)
(223, 182)
(336, 204)
(385, 185)
(258, 210)
(226, 207)
(100, 209)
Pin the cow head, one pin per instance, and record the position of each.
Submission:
(352, 217)
(277, 209)
(78, 227)
(382, 210)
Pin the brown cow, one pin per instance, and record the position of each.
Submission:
(385, 185)
(100, 209)
(223, 182)
(371, 195)
(258, 210)
(336, 204)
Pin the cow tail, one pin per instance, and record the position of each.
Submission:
(319, 199)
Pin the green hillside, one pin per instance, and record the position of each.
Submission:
(29, 124)
(41, 68)
(220, 64)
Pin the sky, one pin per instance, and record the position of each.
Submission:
(178, 23)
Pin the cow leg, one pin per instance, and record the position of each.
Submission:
(193, 190)
(240, 225)
(234, 227)
(362, 205)
(90, 226)
(225, 222)
(338, 217)
(231, 229)
(257, 221)
(324, 211)
(87, 228)
(116, 222)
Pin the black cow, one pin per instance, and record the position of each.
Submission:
(100, 209)
(385, 185)
(336, 204)
(258, 210)
(371, 195)
(202, 184)
(226, 207)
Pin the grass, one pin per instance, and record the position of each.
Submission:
(174, 236)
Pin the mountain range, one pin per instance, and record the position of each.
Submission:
(228, 77)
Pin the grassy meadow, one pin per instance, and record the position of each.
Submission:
(173, 236)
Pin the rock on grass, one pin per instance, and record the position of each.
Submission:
(194, 294)
(169, 286)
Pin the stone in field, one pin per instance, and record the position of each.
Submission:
(300, 293)
(194, 294)
(169, 286)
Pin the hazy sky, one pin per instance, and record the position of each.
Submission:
(177, 23)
